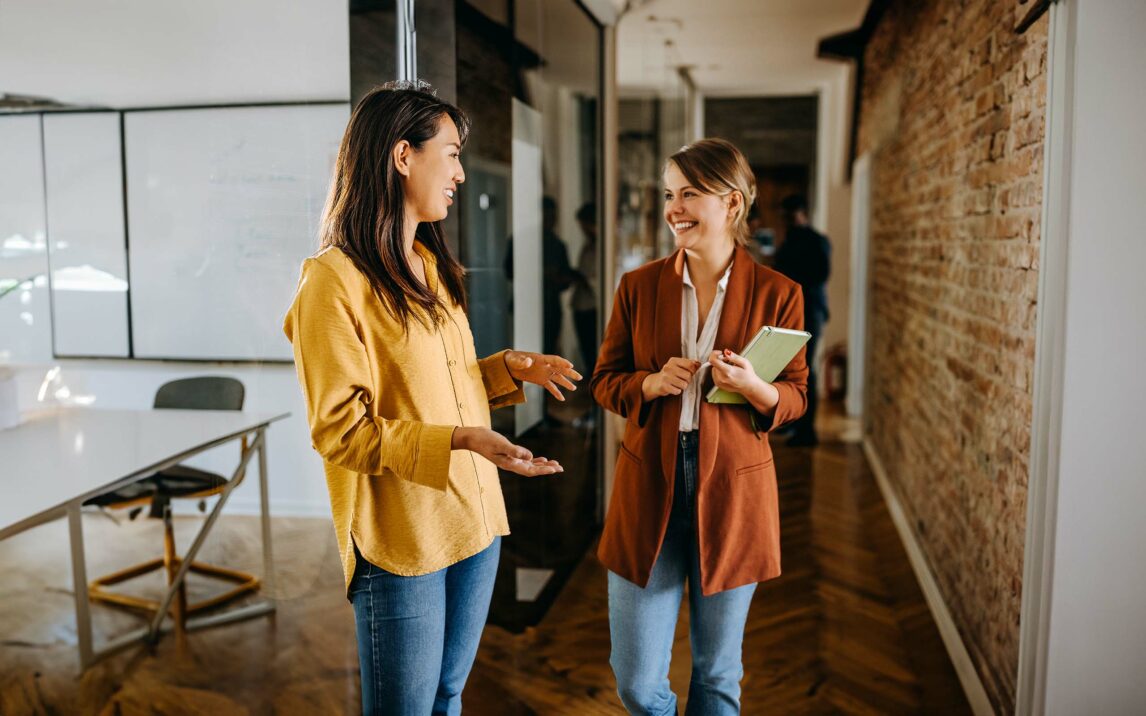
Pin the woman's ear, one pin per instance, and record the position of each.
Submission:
(401, 157)
(735, 201)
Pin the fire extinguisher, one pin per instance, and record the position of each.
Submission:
(836, 372)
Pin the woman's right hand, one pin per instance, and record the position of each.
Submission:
(501, 452)
(672, 379)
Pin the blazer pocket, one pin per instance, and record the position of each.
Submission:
(758, 467)
(630, 454)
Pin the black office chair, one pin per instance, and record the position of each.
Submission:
(157, 491)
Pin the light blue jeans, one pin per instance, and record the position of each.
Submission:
(418, 636)
(642, 621)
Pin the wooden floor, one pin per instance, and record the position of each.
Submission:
(844, 630)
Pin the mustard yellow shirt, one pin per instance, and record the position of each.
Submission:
(382, 407)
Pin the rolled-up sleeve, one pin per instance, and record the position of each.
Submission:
(500, 387)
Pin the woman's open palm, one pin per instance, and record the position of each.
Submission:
(498, 449)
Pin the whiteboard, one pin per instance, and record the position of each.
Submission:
(223, 206)
(83, 173)
(25, 311)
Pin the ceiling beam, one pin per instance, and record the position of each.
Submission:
(849, 47)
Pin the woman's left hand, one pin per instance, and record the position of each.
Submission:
(550, 372)
(733, 373)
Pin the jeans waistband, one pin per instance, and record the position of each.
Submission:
(688, 439)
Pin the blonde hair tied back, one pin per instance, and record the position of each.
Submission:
(716, 166)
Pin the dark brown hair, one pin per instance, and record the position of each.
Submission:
(716, 166)
(365, 211)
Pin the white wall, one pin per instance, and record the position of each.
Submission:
(154, 53)
(124, 53)
(1097, 625)
(833, 201)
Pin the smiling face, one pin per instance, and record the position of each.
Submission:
(430, 175)
(695, 218)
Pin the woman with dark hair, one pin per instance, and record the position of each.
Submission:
(694, 495)
(399, 404)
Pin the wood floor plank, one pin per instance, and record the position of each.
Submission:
(844, 630)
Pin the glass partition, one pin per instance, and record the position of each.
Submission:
(157, 198)
(529, 75)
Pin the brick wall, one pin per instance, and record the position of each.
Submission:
(953, 106)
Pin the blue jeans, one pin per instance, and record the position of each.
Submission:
(642, 621)
(418, 636)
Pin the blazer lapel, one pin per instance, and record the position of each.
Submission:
(670, 285)
(666, 328)
(732, 333)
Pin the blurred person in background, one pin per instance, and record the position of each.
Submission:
(585, 287)
(806, 258)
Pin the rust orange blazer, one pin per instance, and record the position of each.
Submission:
(738, 517)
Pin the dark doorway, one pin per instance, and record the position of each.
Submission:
(773, 183)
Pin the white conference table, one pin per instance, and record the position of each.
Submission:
(56, 460)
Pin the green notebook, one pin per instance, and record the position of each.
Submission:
(769, 351)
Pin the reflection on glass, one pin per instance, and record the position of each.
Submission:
(373, 52)
(544, 57)
(652, 127)
(86, 278)
(17, 244)
(54, 389)
(652, 123)
(564, 87)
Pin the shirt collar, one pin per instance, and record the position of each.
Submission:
(721, 284)
(431, 263)
(424, 252)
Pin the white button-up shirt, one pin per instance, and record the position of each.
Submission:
(696, 348)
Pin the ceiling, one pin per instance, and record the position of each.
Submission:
(731, 47)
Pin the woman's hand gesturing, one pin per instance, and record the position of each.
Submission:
(672, 379)
(550, 372)
(496, 448)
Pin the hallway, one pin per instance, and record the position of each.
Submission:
(844, 630)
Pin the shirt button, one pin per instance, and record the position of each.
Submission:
(461, 407)
(453, 362)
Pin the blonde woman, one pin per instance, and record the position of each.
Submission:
(399, 404)
(694, 498)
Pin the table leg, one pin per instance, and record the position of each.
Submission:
(171, 566)
(265, 513)
(193, 549)
(80, 586)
